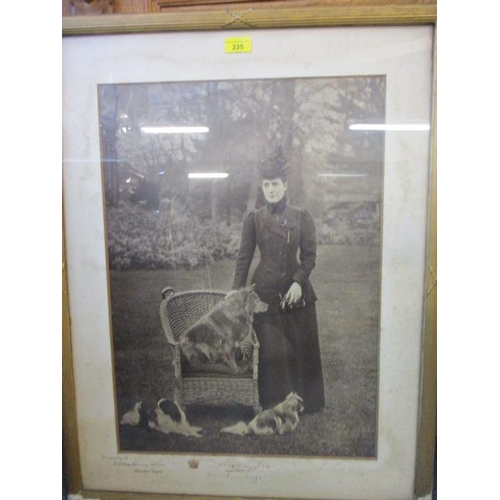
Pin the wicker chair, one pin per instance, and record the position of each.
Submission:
(178, 311)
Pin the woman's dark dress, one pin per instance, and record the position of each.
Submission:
(289, 348)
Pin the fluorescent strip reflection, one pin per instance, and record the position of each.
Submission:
(175, 130)
(402, 127)
(207, 175)
(341, 175)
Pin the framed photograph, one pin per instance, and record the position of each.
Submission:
(249, 231)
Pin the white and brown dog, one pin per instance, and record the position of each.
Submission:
(167, 417)
(132, 417)
(281, 419)
(170, 418)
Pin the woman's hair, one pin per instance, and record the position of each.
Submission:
(283, 177)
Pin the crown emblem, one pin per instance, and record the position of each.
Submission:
(193, 464)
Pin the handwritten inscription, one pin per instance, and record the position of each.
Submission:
(251, 472)
(246, 472)
(132, 465)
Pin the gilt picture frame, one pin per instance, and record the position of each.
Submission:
(84, 423)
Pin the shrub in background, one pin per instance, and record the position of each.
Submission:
(350, 223)
(139, 238)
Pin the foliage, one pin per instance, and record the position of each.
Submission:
(139, 238)
(143, 239)
(350, 224)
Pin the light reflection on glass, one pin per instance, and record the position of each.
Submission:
(207, 175)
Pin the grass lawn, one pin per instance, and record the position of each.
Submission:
(346, 280)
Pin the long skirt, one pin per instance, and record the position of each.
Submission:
(289, 357)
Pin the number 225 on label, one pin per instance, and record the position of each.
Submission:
(239, 44)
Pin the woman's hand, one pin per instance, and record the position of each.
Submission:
(294, 294)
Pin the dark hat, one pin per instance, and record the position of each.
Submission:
(272, 164)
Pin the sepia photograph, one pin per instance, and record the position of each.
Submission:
(247, 240)
(243, 230)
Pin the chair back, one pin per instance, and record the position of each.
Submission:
(181, 310)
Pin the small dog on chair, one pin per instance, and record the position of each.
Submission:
(282, 419)
(210, 344)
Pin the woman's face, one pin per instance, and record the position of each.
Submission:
(274, 189)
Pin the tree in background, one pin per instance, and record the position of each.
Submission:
(334, 170)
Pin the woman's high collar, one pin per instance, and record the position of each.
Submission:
(277, 208)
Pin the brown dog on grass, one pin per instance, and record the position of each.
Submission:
(209, 345)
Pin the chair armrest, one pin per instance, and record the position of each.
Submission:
(176, 360)
(255, 361)
(176, 351)
(163, 317)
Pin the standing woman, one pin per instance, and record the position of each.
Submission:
(289, 357)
